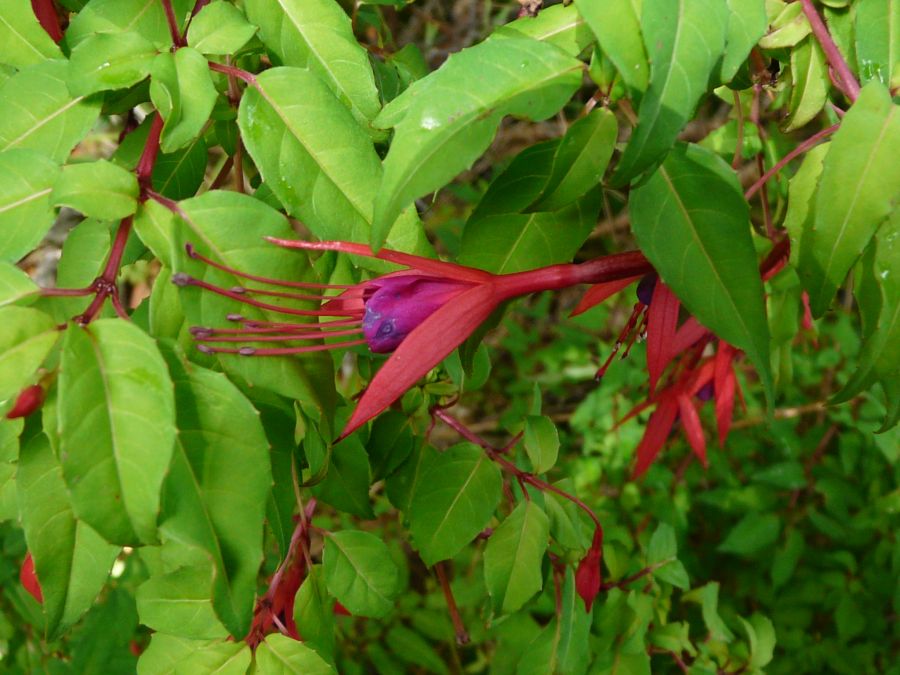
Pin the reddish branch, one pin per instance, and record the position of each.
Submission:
(172, 21)
(805, 146)
(845, 80)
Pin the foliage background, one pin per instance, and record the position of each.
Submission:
(781, 556)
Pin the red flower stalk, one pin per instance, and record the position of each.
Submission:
(421, 314)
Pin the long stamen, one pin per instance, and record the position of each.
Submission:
(182, 279)
(242, 290)
(282, 351)
(192, 252)
(623, 336)
(287, 337)
(255, 328)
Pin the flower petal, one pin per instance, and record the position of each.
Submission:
(423, 349)
(436, 267)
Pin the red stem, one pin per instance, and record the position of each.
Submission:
(177, 39)
(805, 146)
(462, 635)
(231, 70)
(48, 17)
(148, 156)
(848, 82)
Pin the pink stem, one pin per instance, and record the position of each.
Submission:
(849, 84)
(799, 150)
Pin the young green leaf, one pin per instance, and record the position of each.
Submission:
(145, 17)
(182, 91)
(857, 191)
(541, 442)
(280, 655)
(117, 428)
(346, 482)
(453, 501)
(26, 179)
(219, 28)
(809, 85)
(513, 556)
(692, 223)
(685, 39)
(616, 23)
(360, 573)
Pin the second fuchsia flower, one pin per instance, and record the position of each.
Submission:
(421, 314)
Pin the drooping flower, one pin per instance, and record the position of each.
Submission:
(421, 314)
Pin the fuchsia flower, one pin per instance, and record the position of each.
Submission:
(421, 314)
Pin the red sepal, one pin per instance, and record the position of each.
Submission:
(725, 384)
(662, 321)
(29, 400)
(48, 18)
(600, 292)
(693, 429)
(588, 575)
(656, 433)
(340, 610)
(29, 580)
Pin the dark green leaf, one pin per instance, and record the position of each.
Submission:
(692, 223)
(708, 597)
(856, 193)
(684, 39)
(616, 23)
(513, 556)
(453, 501)
(117, 428)
(443, 122)
(754, 533)
(360, 572)
(412, 648)
(346, 483)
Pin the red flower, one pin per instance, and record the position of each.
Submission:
(421, 314)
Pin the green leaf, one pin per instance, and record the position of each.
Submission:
(26, 179)
(28, 336)
(858, 189)
(747, 23)
(178, 603)
(754, 533)
(800, 216)
(15, 285)
(314, 613)
(877, 31)
(787, 29)
(684, 39)
(360, 572)
(541, 442)
(145, 17)
(178, 175)
(513, 555)
(447, 121)
(708, 597)
(219, 28)
(809, 86)
(182, 90)
(109, 61)
(514, 242)
(97, 189)
(72, 561)
(580, 160)
(318, 35)
(453, 501)
(38, 112)
(229, 228)
(346, 484)
(691, 221)
(116, 425)
(171, 655)
(280, 655)
(561, 26)
(761, 635)
(616, 24)
(289, 120)
(221, 438)
(23, 41)
(662, 551)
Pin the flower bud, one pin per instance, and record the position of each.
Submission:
(30, 399)
(588, 575)
(28, 578)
